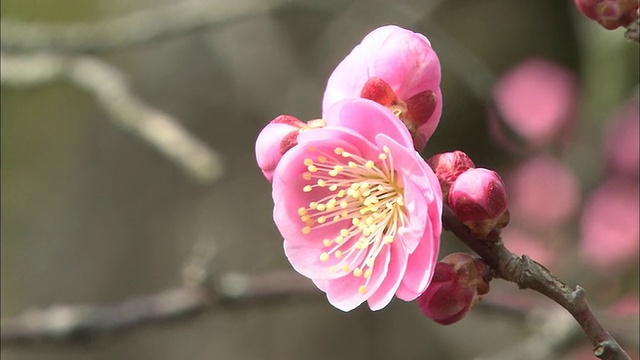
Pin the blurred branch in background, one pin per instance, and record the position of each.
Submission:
(107, 84)
(110, 88)
(131, 29)
(76, 322)
(554, 332)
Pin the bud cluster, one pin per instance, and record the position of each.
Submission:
(459, 282)
(476, 195)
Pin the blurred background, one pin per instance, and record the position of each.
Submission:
(128, 157)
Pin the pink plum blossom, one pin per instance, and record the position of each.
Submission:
(277, 138)
(537, 99)
(520, 241)
(609, 225)
(358, 208)
(398, 69)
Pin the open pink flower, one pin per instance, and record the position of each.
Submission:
(358, 208)
(397, 68)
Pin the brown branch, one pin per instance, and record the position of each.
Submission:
(633, 30)
(528, 274)
(72, 322)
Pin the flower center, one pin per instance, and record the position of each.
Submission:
(363, 195)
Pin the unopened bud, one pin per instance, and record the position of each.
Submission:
(479, 199)
(459, 282)
(611, 14)
(448, 166)
(280, 135)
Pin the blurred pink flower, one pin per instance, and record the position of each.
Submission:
(358, 208)
(611, 14)
(398, 69)
(521, 242)
(609, 225)
(621, 144)
(543, 192)
(537, 99)
(626, 307)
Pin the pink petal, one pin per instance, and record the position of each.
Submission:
(421, 262)
(288, 183)
(306, 261)
(343, 292)
(368, 119)
(391, 282)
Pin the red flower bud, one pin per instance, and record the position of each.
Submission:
(448, 166)
(458, 283)
(611, 14)
(479, 199)
(280, 135)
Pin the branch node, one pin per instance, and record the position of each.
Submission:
(578, 295)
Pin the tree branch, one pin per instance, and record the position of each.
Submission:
(633, 30)
(528, 274)
(130, 29)
(110, 88)
(73, 322)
